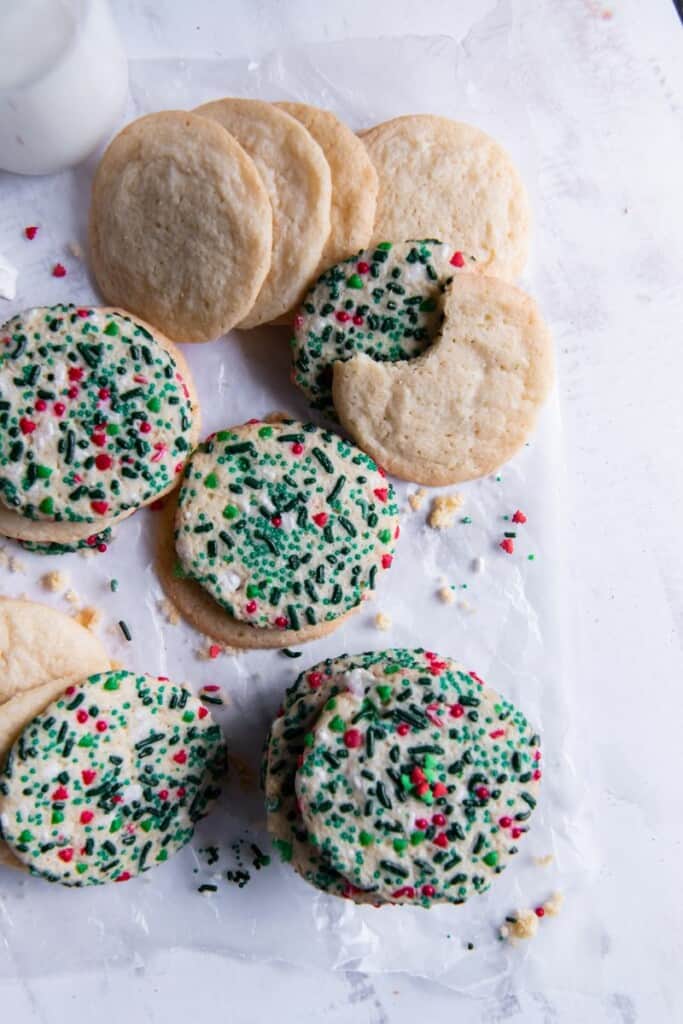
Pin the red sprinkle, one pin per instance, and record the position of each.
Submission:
(103, 461)
(441, 840)
(103, 393)
(381, 493)
(537, 774)
(100, 507)
(507, 545)
(163, 794)
(101, 726)
(421, 823)
(439, 819)
(73, 391)
(353, 738)
(315, 679)
(358, 320)
(88, 776)
(250, 607)
(59, 408)
(428, 891)
(31, 232)
(123, 877)
(202, 713)
(482, 792)
(66, 855)
(180, 757)
(439, 789)
(276, 520)
(539, 912)
(61, 793)
(82, 716)
(386, 561)
(407, 891)
(457, 711)
(417, 775)
(41, 405)
(297, 448)
(519, 517)
(342, 316)
(26, 426)
(86, 817)
(298, 321)
(505, 822)
(59, 270)
(362, 267)
(403, 729)
(497, 733)
(83, 312)
(214, 651)
(75, 373)
(281, 622)
(145, 427)
(180, 792)
(516, 833)
(457, 259)
(320, 518)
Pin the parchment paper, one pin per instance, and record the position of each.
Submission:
(505, 622)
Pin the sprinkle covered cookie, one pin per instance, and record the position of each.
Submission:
(284, 524)
(110, 779)
(399, 777)
(386, 301)
(95, 417)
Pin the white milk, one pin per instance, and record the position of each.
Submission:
(63, 82)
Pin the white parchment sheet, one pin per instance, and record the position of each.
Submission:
(505, 622)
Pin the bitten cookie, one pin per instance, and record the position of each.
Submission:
(284, 524)
(180, 225)
(297, 177)
(464, 406)
(97, 418)
(354, 182)
(386, 302)
(397, 777)
(39, 644)
(110, 779)
(443, 179)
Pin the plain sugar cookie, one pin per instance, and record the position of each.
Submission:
(386, 301)
(96, 417)
(297, 176)
(443, 179)
(354, 182)
(39, 644)
(180, 225)
(464, 406)
(110, 779)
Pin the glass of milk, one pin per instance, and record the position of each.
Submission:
(63, 82)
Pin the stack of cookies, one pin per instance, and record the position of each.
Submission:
(103, 773)
(98, 416)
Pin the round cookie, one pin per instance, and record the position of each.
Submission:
(96, 418)
(443, 179)
(354, 182)
(404, 799)
(386, 302)
(180, 225)
(39, 644)
(15, 715)
(468, 403)
(201, 611)
(297, 177)
(284, 524)
(110, 779)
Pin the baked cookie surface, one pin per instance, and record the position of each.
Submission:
(444, 179)
(297, 177)
(386, 301)
(464, 406)
(95, 417)
(180, 225)
(284, 524)
(110, 779)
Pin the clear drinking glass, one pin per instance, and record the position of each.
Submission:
(63, 82)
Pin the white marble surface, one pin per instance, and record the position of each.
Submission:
(606, 93)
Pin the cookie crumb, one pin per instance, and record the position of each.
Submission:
(446, 595)
(543, 862)
(75, 249)
(54, 581)
(465, 606)
(553, 906)
(88, 617)
(416, 499)
(16, 565)
(245, 776)
(72, 597)
(382, 621)
(442, 512)
(169, 611)
(523, 925)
